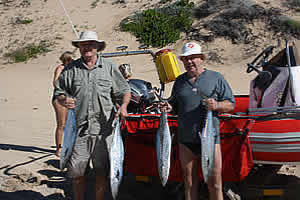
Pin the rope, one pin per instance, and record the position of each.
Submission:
(62, 5)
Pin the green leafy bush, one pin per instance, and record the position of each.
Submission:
(293, 25)
(27, 21)
(29, 51)
(162, 26)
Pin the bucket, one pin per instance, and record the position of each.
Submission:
(167, 66)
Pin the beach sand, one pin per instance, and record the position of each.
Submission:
(28, 166)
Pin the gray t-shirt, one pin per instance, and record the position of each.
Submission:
(95, 90)
(187, 101)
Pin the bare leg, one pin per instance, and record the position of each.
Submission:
(215, 181)
(189, 164)
(100, 187)
(61, 113)
(79, 187)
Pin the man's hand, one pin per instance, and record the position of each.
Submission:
(122, 112)
(220, 106)
(211, 104)
(165, 107)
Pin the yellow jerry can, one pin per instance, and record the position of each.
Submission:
(167, 65)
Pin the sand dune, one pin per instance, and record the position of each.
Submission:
(28, 166)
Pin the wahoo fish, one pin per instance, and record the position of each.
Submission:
(116, 156)
(207, 137)
(163, 148)
(68, 139)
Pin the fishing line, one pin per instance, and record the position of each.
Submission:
(66, 13)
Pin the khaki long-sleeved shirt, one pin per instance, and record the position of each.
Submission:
(95, 91)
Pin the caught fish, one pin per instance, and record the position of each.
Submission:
(68, 139)
(116, 156)
(163, 148)
(207, 137)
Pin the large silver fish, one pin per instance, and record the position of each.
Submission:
(68, 139)
(207, 137)
(116, 156)
(163, 148)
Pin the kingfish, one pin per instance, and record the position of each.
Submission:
(163, 148)
(207, 137)
(116, 156)
(68, 139)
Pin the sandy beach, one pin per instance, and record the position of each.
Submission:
(28, 165)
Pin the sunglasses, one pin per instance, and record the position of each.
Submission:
(191, 57)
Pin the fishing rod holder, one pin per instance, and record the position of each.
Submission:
(123, 52)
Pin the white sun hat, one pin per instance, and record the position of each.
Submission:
(89, 36)
(191, 48)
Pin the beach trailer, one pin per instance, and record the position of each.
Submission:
(260, 136)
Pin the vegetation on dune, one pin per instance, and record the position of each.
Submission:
(295, 3)
(231, 19)
(21, 20)
(95, 2)
(30, 51)
(288, 24)
(240, 21)
(236, 19)
(161, 26)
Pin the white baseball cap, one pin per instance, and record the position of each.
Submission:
(190, 48)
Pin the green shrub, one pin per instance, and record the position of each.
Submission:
(27, 21)
(20, 20)
(29, 51)
(162, 26)
(293, 24)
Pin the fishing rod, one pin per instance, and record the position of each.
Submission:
(269, 111)
(272, 108)
(69, 18)
(257, 113)
(128, 53)
(290, 114)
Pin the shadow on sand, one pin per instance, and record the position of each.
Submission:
(55, 177)
(28, 194)
(251, 188)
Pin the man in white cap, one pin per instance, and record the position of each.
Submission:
(88, 85)
(194, 92)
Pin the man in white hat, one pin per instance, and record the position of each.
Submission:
(88, 85)
(194, 92)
